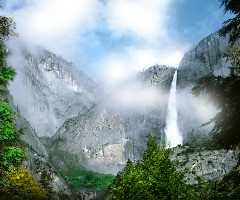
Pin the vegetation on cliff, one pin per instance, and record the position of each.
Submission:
(232, 25)
(76, 175)
(15, 182)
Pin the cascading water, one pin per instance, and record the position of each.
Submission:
(173, 135)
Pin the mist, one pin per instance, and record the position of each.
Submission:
(46, 86)
(53, 90)
(193, 112)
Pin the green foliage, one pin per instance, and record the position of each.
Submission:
(227, 188)
(84, 178)
(76, 175)
(205, 142)
(7, 127)
(232, 25)
(10, 154)
(22, 186)
(6, 73)
(225, 92)
(233, 56)
(13, 156)
(45, 181)
(153, 177)
(7, 26)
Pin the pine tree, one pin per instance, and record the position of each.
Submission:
(45, 181)
(154, 177)
(232, 25)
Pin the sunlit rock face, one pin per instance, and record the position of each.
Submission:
(203, 58)
(48, 90)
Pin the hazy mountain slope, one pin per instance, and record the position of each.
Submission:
(37, 156)
(47, 90)
(107, 135)
(203, 58)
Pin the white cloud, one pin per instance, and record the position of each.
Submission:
(150, 56)
(145, 18)
(61, 26)
(55, 23)
(118, 67)
(133, 96)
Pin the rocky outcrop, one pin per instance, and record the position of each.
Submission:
(48, 90)
(207, 164)
(203, 58)
(159, 76)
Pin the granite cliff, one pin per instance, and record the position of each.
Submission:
(48, 90)
(203, 58)
(107, 135)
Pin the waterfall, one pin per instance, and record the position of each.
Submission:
(173, 135)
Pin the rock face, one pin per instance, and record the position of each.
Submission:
(107, 135)
(104, 140)
(209, 165)
(48, 90)
(158, 75)
(203, 58)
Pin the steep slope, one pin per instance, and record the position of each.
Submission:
(158, 75)
(202, 163)
(48, 90)
(104, 137)
(203, 58)
(103, 140)
(37, 157)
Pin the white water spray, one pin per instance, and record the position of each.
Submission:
(172, 132)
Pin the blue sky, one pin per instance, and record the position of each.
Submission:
(114, 39)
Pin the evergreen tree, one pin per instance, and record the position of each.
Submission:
(232, 25)
(45, 181)
(154, 177)
(225, 92)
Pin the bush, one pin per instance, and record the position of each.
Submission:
(22, 186)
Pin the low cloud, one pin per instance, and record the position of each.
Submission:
(64, 26)
(194, 112)
(132, 96)
(120, 67)
(146, 18)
